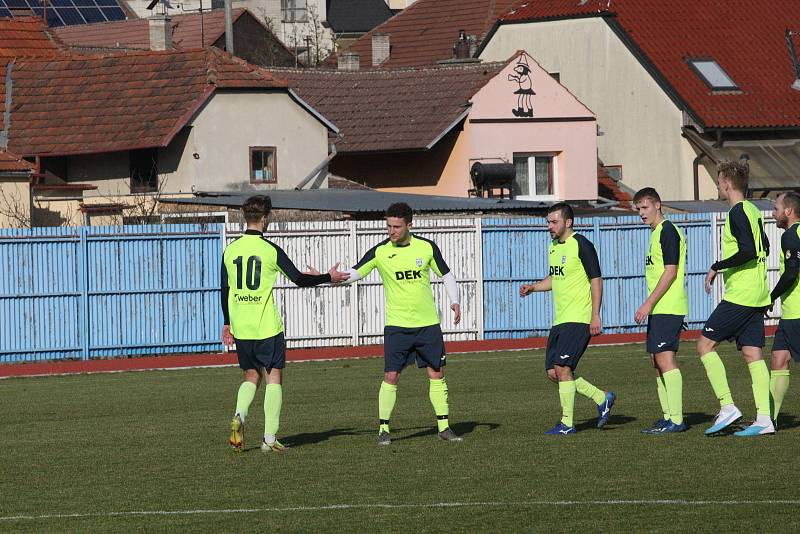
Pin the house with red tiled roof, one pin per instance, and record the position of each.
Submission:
(423, 130)
(252, 40)
(160, 123)
(676, 86)
(427, 31)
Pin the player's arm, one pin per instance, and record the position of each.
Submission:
(670, 243)
(288, 268)
(790, 247)
(591, 264)
(365, 264)
(227, 337)
(442, 270)
(541, 285)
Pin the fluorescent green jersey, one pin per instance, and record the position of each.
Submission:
(406, 279)
(790, 257)
(250, 266)
(572, 264)
(745, 284)
(667, 247)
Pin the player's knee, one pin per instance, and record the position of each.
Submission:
(704, 346)
(779, 361)
(551, 375)
(391, 377)
(252, 375)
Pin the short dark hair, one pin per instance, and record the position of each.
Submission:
(256, 207)
(646, 192)
(737, 173)
(400, 210)
(791, 200)
(564, 208)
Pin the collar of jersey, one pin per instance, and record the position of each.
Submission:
(403, 246)
(253, 232)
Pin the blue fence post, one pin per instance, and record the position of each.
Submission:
(83, 285)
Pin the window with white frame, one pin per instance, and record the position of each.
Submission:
(294, 11)
(535, 175)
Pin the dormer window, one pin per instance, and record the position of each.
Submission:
(713, 75)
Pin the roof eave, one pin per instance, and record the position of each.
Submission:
(317, 115)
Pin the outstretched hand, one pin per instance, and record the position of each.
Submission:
(312, 271)
(337, 276)
(709, 281)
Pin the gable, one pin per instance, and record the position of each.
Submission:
(500, 97)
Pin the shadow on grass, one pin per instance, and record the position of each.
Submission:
(697, 418)
(613, 422)
(463, 428)
(786, 422)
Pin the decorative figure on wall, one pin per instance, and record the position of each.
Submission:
(525, 91)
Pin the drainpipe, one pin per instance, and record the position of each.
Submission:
(317, 170)
(7, 111)
(696, 170)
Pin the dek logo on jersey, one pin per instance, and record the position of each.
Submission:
(649, 261)
(556, 270)
(408, 275)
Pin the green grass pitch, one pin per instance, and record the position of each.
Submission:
(79, 453)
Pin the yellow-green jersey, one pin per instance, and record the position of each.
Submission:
(250, 266)
(745, 248)
(405, 271)
(573, 264)
(787, 287)
(667, 247)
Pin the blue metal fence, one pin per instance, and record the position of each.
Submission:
(91, 292)
(515, 251)
(94, 292)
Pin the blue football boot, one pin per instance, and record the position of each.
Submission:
(560, 429)
(604, 409)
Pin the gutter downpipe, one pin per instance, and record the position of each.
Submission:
(304, 182)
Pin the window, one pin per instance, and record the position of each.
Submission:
(263, 167)
(535, 176)
(294, 11)
(144, 170)
(713, 75)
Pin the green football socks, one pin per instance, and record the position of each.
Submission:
(662, 398)
(715, 370)
(273, 398)
(589, 391)
(760, 376)
(438, 395)
(566, 392)
(386, 399)
(778, 386)
(673, 387)
(247, 392)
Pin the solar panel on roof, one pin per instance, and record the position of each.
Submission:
(66, 12)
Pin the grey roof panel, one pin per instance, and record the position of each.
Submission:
(354, 201)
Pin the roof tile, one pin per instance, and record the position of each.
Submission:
(745, 37)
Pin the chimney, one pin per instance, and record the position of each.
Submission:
(461, 48)
(380, 48)
(349, 61)
(160, 32)
(473, 45)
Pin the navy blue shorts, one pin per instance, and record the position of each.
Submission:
(566, 344)
(731, 321)
(664, 332)
(402, 345)
(788, 337)
(268, 353)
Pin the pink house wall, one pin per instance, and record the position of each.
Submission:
(560, 125)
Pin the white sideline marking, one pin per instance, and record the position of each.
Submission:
(657, 502)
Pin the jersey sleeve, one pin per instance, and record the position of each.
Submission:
(438, 264)
(289, 269)
(670, 244)
(745, 240)
(368, 261)
(588, 256)
(790, 248)
(224, 292)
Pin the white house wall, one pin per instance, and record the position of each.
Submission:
(640, 126)
(231, 123)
